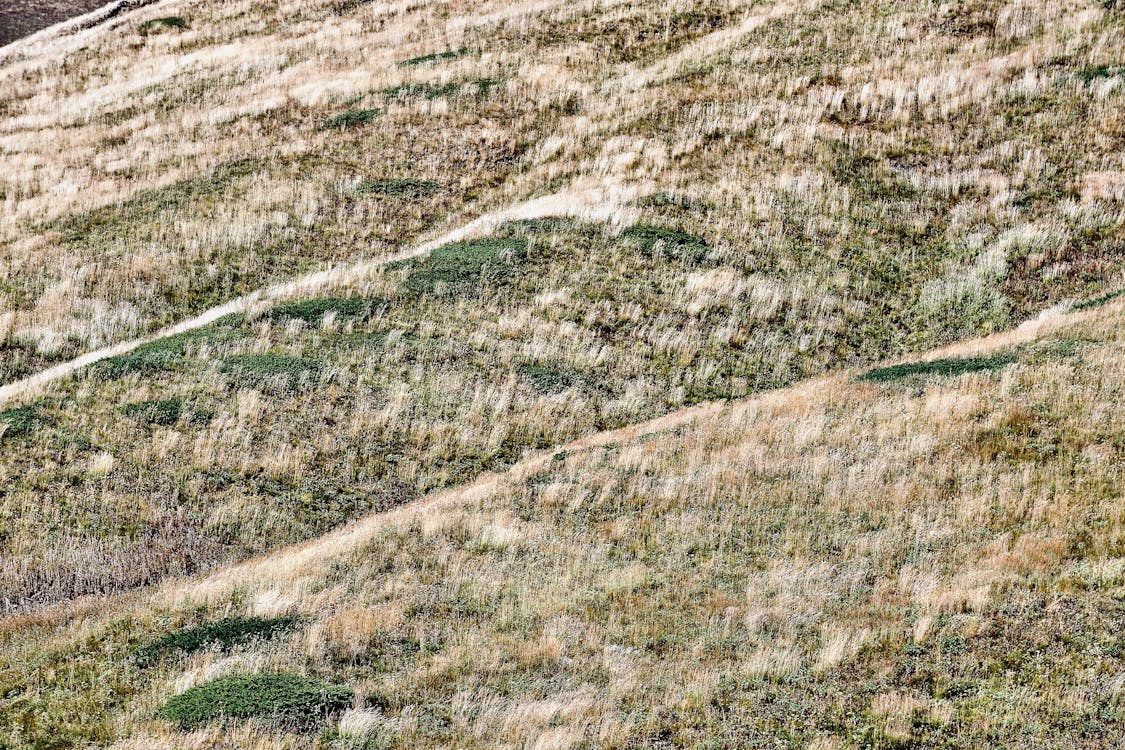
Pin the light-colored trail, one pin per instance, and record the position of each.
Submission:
(599, 203)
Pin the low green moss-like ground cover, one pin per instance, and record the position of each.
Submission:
(942, 367)
(286, 700)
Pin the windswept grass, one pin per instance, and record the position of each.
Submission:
(343, 309)
(224, 634)
(403, 187)
(435, 57)
(351, 119)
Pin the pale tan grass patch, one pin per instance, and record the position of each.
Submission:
(897, 712)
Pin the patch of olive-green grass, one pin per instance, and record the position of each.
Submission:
(1089, 75)
(673, 200)
(399, 188)
(270, 371)
(435, 57)
(1098, 301)
(168, 22)
(20, 420)
(546, 379)
(167, 353)
(288, 701)
(543, 225)
(313, 311)
(223, 634)
(351, 119)
(674, 243)
(93, 679)
(949, 367)
(464, 265)
(103, 224)
(481, 88)
(160, 412)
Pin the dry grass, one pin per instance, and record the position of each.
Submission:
(838, 564)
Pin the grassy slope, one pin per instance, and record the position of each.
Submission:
(925, 173)
(832, 182)
(853, 203)
(934, 561)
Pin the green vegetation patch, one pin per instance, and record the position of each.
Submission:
(225, 634)
(18, 421)
(166, 353)
(1098, 301)
(543, 225)
(270, 370)
(405, 91)
(313, 310)
(286, 700)
(399, 188)
(105, 223)
(428, 91)
(673, 242)
(162, 412)
(546, 379)
(436, 57)
(351, 119)
(168, 22)
(942, 367)
(462, 265)
(1088, 75)
(668, 199)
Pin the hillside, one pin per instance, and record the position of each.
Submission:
(920, 556)
(817, 196)
(500, 366)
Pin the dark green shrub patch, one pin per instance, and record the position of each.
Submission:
(1098, 301)
(288, 701)
(399, 188)
(428, 91)
(168, 22)
(313, 310)
(546, 379)
(942, 367)
(163, 412)
(18, 421)
(463, 265)
(270, 370)
(435, 57)
(351, 119)
(673, 242)
(225, 634)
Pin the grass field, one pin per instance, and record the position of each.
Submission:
(393, 487)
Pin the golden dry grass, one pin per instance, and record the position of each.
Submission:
(578, 525)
